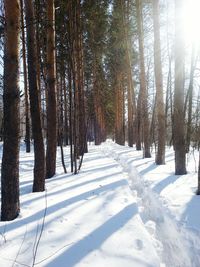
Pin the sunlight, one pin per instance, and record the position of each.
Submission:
(191, 21)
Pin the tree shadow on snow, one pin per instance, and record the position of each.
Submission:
(190, 216)
(159, 187)
(13, 225)
(95, 239)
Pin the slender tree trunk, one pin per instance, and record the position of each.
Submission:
(10, 205)
(130, 88)
(39, 163)
(51, 87)
(119, 111)
(168, 101)
(71, 118)
(81, 95)
(178, 123)
(138, 124)
(198, 188)
(143, 87)
(27, 134)
(190, 97)
(66, 119)
(160, 112)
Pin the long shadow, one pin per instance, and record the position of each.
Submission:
(65, 203)
(191, 217)
(149, 168)
(165, 182)
(104, 167)
(95, 239)
(123, 152)
(64, 190)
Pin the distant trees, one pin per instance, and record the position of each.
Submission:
(10, 205)
(117, 70)
(96, 31)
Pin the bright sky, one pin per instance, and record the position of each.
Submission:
(191, 20)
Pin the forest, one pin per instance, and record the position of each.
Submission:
(77, 76)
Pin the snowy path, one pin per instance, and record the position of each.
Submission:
(178, 245)
(106, 216)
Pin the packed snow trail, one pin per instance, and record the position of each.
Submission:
(177, 246)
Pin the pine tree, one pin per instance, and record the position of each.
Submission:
(143, 120)
(10, 206)
(117, 66)
(178, 122)
(27, 116)
(160, 156)
(39, 163)
(95, 43)
(51, 88)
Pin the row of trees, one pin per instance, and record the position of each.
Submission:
(91, 71)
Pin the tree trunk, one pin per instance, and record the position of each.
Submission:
(178, 123)
(27, 122)
(143, 87)
(130, 86)
(39, 163)
(160, 112)
(198, 189)
(119, 111)
(10, 205)
(190, 98)
(51, 88)
(66, 116)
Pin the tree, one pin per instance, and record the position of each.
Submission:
(198, 188)
(160, 112)
(143, 120)
(77, 117)
(51, 88)
(10, 162)
(39, 163)
(95, 43)
(189, 100)
(27, 122)
(126, 10)
(178, 122)
(117, 69)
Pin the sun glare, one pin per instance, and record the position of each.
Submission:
(191, 21)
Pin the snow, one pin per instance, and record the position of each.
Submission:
(120, 210)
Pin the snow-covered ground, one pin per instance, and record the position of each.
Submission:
(121, 210)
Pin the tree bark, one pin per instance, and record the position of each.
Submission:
(198, 188)
(178, 123)
(27, 116)
(39, 163)
(130, 87)
(10, 205)
(143, 87)
(51, 88)
(160, 112)
(119, 111)
(190, 98)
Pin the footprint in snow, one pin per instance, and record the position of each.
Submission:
(139, 244)
(125, 200)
